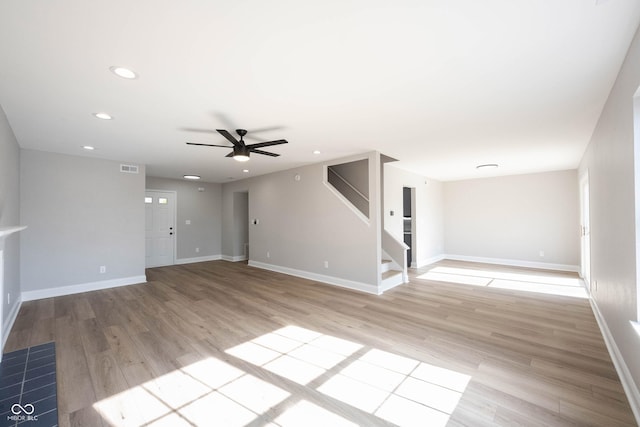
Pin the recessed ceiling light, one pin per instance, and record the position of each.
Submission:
(88, 147)
(103, 116)
(245, 170)
(487, 166)
(193, 177)
(125, 73)
(316, 151)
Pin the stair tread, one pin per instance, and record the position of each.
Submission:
(386, 261)
(390, 273)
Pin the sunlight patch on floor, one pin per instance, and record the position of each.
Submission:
(206, 392)
(398, 389)
(540, 283)
(352, 377)
(307, 414)
(294, 353)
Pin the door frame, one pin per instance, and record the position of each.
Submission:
(175, 222)
(585, 230)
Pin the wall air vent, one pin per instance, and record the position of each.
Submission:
(129, 168)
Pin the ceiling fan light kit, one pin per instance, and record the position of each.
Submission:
(241, 151)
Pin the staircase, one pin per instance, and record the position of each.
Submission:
(391, 275)
(350, 181)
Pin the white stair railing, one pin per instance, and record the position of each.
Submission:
(348, 191)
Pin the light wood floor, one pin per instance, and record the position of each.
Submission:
(224, 344)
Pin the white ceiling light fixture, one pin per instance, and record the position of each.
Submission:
(245, 170)
(88, 147)
(123, 72)
(191, 177)
(316, 152)
(487, 166)
(103, 116)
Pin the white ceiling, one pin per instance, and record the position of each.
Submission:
(440, 85)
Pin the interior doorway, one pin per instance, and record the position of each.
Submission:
(585, 232)
(408, 223)
(241, 226)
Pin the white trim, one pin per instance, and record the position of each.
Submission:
(515, 263)
(390, 284)
(346, 201)
(5, 231)
(330, 280)
(6, 328)
(198, 259)
(629, 385)
(83, 287)
(234, 258)
(343, 199)
(428, 261)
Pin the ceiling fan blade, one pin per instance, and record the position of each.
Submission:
(207, 145)
(230, 154)
(265, 129)
(228, 123)
(266, 153)
(268, 143)
(199, 130)
(229, 137)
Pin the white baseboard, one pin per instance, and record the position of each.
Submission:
(6, 328)
(198, 259)
(234, 258)
(336, 281)
(514, 262)
(630, 387)
(83, 287)
(429, 261)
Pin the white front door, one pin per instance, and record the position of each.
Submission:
(160, 227)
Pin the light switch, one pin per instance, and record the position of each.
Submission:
(188, 222)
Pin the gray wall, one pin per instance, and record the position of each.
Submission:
(82, 213)
(355, 173)
(514, 218)
(202, 208)
(302, 224)
(10, 214)
(609, 160)
(429, 243)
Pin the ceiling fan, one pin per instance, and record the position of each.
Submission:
(241, 150)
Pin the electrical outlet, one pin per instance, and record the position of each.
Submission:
(8, 298)
(541, 254)
(268, 254)
(103, 269)
(187, 222)
(197, 250)
(326, 264)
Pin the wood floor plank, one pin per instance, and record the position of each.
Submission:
(185, 344)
